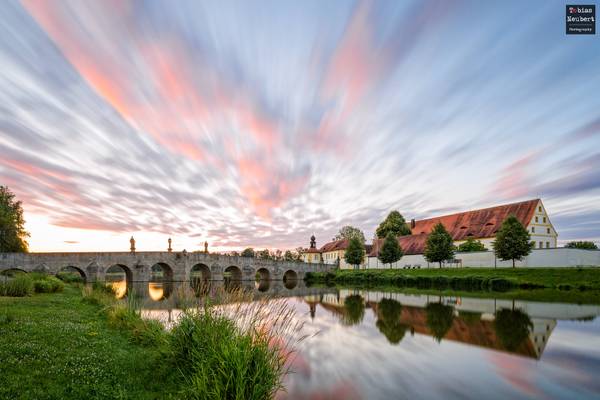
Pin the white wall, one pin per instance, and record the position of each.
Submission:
(557, 257)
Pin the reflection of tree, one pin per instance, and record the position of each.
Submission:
(512, 327)
(388, 320)
(439, 319)
(355, 309)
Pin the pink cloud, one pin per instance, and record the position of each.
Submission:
(173, 98)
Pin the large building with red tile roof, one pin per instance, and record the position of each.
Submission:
(482, 225)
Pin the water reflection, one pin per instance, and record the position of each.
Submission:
(439, 319)
(354, 310)
(388, 320)
(159, 290)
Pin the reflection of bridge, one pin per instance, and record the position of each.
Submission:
(168, 295)
(141, 266)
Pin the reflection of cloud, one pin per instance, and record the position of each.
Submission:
(249, 128)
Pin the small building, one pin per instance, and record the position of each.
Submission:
(482, 225)
(332, 253)
(312, 254)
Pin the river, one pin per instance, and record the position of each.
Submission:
(370, 344)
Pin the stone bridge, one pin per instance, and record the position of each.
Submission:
(173, 266)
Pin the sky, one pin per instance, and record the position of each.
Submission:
(260, 123)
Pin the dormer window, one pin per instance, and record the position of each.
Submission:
(463, 227)
(544, 219)
(540, 208)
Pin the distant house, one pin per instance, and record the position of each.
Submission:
(330, 253)
(480, 225)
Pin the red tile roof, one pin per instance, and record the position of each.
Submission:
(483, 223)
(410, 244)
(341, 244)
(476, 224)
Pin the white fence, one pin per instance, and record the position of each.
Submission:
(538, 258)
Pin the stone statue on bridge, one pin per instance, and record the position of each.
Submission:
(132, 242)
(169, 249)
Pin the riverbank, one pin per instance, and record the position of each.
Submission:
(564, 279)
(88, 345)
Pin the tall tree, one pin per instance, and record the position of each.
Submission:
(390, 250)
(439, 245)
(355, 252)
(471, 245)
(12, 224)
(264, 255)
(248, 252)
(288, 256)
(512, 240)
(348, 232)
(582, 245)
(394, 223)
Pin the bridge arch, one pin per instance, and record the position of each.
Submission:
(161, 270)
(73, 270)
(262, 279)
(120, 278)
(290, 279)
(233, 272)
(200, 271)
(263, 274)
(12, 271)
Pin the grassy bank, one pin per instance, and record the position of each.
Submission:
(504, 279)
(71, 344)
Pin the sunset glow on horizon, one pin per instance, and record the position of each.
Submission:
(246, 125)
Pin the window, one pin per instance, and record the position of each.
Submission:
(547, 230)
(540, 208)
(544, 219)
(533, 229)
(541, 245)
(536, 219)
(547, 245)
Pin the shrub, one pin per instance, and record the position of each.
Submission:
(69, 277)
(220, 361)
(500, 284)
(19, 286)
(47, 284)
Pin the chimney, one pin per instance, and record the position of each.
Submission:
(412, 224)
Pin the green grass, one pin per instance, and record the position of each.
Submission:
(82, 343)
(470, 278)
(56, 346)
